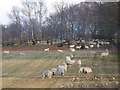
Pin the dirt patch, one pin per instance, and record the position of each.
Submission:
(58, 83)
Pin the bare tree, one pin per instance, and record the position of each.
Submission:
(16, 18)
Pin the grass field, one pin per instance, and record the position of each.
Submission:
(24, 71)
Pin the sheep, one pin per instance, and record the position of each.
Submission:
(105, 54)
(47, 73)
(83, 41)
(85, 70)
(47, 49)
(72, 49)
(60, 50)
(22, 53)
(64, 65)
(6, 52)
(68, 58)
(72, 46)
(106, 43)
(53, 70)
(71, 56)
(98, 45)
(78, 47)
(70, 62)
(91, 46)
(61, 70)
(86, 47)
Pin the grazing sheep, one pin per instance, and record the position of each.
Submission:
(69, 62)
(72, 46)
(78, 47)
(72, 49)
(86, 47)
(106, 43)
(6, 52)
(47, 73)
(60, 50)
(47, 49)
(68, 58)
(98, 45)
(105, 54)
(83, 41)
(60, 70)
(53, 70)
(64, 65)
(22, 53)
(91, 46)
(85, 70)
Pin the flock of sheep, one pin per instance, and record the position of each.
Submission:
(61, 69)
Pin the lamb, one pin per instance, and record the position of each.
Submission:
(105, 54)
(60, 50)
(53, 70)
(85, 70)
(47, 73)
(6, 52)
(60, 70)
(47, 49)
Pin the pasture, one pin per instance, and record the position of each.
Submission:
(24, 71)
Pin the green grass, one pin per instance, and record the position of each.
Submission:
(38, 61)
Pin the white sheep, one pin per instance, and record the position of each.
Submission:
(91, 46)
(78, 47)
(71, 56)
(72, 46)
(47, 49)
(47, 73)
(70, 62)
(68, 58)
(85, 70)
(60, 50)
(86, 47)
(106, 43)
(53, 70)
(98, 45)
(105, 54)
(61, 70)
(64, 65)
(72, 49)
(22, 53)
(6, 52)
